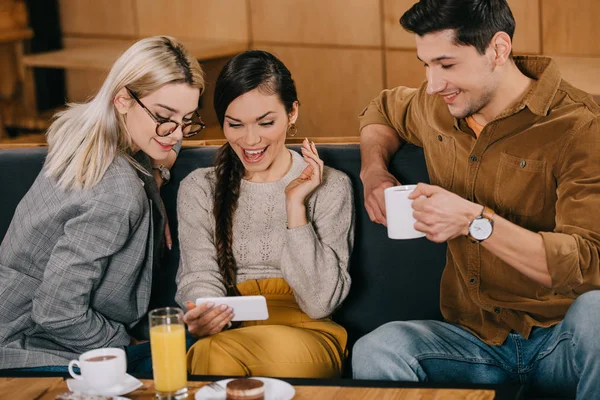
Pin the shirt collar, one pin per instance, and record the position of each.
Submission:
(547, 78)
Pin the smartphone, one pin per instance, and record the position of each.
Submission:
(245, 308)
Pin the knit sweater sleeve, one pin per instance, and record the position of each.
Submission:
(316, 256)
(198, 274)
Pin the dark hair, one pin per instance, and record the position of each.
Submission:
(475, 21)
(243, 73)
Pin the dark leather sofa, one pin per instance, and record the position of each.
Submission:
(391, 279)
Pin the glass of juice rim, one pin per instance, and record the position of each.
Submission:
(167, 343)
(166, 315)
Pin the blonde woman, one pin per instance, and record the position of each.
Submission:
(76, 263)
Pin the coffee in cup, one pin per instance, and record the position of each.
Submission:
(399, 213)
(101, 358)
(102, 368)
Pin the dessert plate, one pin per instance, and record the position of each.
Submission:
(275, 389)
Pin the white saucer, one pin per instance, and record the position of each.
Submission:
(129, 384)
(274, 389)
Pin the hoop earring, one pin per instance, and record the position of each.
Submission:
(292, 130)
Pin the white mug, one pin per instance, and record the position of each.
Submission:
(399, 213)
(101, 368)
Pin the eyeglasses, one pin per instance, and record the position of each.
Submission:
(165, 127)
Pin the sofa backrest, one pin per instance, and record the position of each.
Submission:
(391, 279)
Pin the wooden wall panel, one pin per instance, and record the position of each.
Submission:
(93, 17)
(403, 69)
(334, 85)
(81, 84)
(337, 22)
(395, 35)
(571, 27)
(527, 37)
(200, 19)
(526, 13)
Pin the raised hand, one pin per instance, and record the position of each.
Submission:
(300, 188)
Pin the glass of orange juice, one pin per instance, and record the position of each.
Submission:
(167, 342)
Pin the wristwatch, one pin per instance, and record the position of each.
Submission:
(482, 226)
(165, 173)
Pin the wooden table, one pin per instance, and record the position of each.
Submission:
(49, 388)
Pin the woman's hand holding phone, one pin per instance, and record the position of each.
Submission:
(206, 319)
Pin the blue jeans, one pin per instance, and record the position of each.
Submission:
(563, 360)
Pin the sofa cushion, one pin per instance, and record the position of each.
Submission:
(18, 170)
(391, 279)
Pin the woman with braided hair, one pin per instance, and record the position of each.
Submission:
(268, 221)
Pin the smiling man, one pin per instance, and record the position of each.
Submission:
(512, 153)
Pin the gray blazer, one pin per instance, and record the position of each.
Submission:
(76, 267)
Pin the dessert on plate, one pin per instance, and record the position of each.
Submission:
(245, 389)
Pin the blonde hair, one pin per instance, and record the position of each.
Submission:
(86, 138)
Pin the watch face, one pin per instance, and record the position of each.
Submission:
(480, 229)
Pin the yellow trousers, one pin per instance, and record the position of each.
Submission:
(288, 344)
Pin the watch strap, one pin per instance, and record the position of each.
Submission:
(488, 213)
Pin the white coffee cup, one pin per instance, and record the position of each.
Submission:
(399, 213)
(102, 368)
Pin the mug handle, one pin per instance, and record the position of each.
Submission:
(71, 372)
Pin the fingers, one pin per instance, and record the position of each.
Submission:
(316, 153)
(422, 227)
(196, 311)
(307, 173)
(375, 204)
(423, 189)
(218, 323)
(309, 152)
(207, 319)
(425, 218)
(418, 204)
(378, 209)
(315, 170)
(375, 211)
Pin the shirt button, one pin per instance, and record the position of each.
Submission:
(440, 138)
(474, 158)
(497, 310)
(523, 164)
(472, 281)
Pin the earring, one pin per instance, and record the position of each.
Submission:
(292, 130)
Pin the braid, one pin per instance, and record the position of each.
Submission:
(229, 172)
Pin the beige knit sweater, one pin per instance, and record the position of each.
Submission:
(313, 258)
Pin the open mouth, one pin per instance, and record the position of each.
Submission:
(254, 155)
(450, 97)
